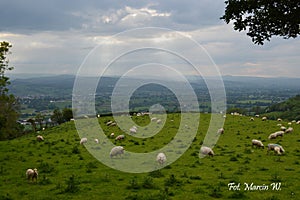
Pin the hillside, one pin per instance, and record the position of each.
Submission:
(68, 171)
(289, 109)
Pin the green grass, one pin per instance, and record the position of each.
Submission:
(68, 171)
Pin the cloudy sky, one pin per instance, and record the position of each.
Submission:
(54, 37)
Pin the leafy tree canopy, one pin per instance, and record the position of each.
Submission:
(263, 19)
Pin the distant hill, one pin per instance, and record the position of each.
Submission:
(289, 109)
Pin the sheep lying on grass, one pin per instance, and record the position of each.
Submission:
(161, 158)
(118, 150)
(207, 151)
(275, 147)
(257, 143)
(32, 174)
(83, 140)
(96, 140)
(39, 138)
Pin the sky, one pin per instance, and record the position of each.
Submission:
(57, 36)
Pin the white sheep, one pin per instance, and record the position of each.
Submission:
(83, 140)
(264, 118)
(256, 115)
(272, 136)
(272, 147)
(153, 119)
(257, 143)
(279, 119)
(283, 128)
(109, 123)
(32, 174)
(251, 119)
(39, 138)
(161, 158)
(120, 137)
(290, 123)
(277, 150)
(276, 134)
(158, 121)
(117, 150)
(220, 131)
(133, 130)
(298, 122)
(289, 130)
(112, 135)
(96, 140)
(207, 151)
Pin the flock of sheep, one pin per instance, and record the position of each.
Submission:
(161, 158)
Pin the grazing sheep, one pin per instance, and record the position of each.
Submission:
(109, 123)
(32, 174)
(153, 119)
(289, 130)
(283, 128)
(158, 121)
(279, 124)
(83, 140)
(112, 135)
(298, 122)
(257, 143)
(251, 119)
(272, 147)
(161, 158)
(39, 138)
(220, 131)
(207, 151)
(272, 136)
(256, 115)
(290, 123)
(264, 118)
(277, 150)
(118, 150)
(276, 134)
(96, 140)
(133, 130)
(279, 119)
(120, 137)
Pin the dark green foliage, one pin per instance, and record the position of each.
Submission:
(264, 19)
(72, 185)
(172, 181)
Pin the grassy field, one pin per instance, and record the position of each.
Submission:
(68, 171)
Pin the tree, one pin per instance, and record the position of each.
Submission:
(9, 128)
(263, 19)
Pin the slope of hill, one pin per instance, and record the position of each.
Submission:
(289, 109)
(68, 171)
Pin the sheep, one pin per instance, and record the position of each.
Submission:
(289, 130)
(277, 150)
(276, 134)
(32, 174)
(264, 118)
(96, 140)
(283, 128)
(220, 131)
(133, 130)
(158, 121)
(279, 119)
(207, 151)
(272, 136)
(109, 123)
(257, 143)
(83, 140)
(112, 135)
(298, 122)
(39, 138)
(256, 115)
(120, 137)
(272, 147)
(117, 150)
(161, 158)
(153, 119)
(290, 123)
(251, 119)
